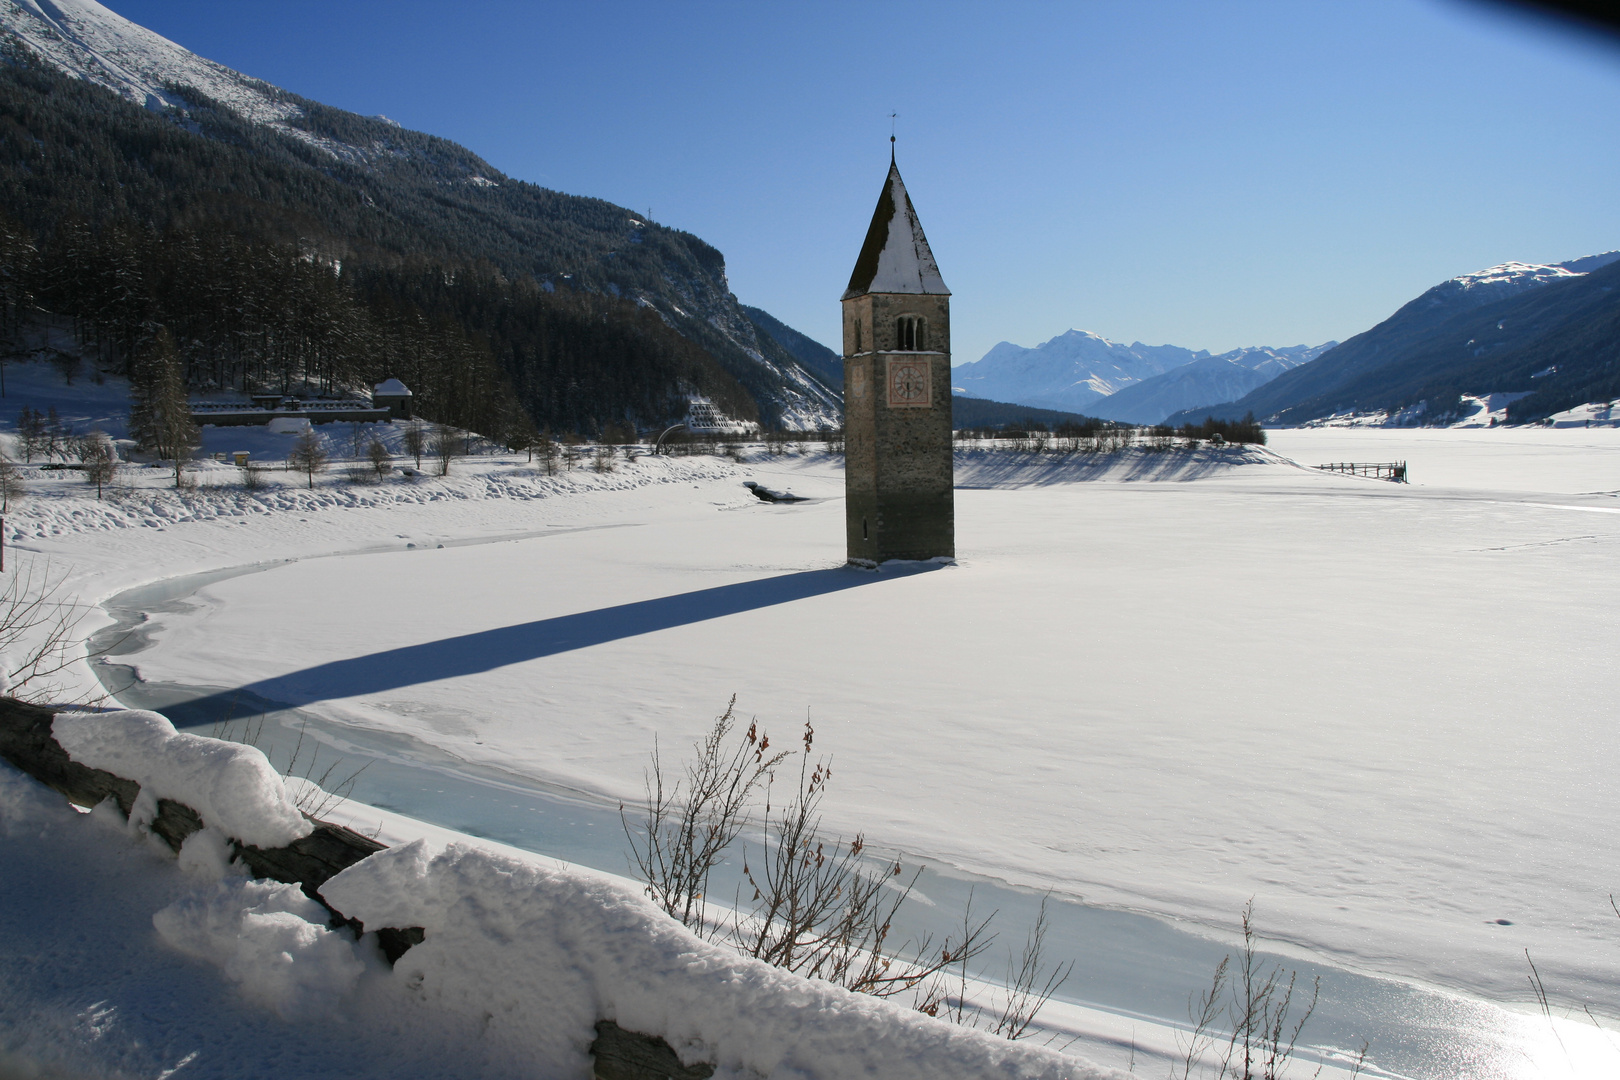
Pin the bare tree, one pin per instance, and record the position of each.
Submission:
(308, 455)
(11, 483)
(415, 439)
(444, 445)
(548, 452)
(30, 432)
(358, 440)
(380, 457)
(95, 451)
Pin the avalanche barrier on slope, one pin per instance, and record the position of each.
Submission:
(569, 972)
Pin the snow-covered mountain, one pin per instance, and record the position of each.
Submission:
(447, 198)
(86, 39)
(1471, 334)
(1508, 279)
(1069, 372)
(1205, 381)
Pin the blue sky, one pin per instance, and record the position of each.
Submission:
(1203, 174)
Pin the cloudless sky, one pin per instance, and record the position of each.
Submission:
(1205, 174)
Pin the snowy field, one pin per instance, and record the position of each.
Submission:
(1566, 461)
(1383, 712)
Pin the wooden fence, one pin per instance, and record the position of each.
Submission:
(1378, 470)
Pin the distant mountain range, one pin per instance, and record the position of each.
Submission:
(1227, 376)
(1548, 331)
(107, 123)
(1071, 372)
(1136, 383)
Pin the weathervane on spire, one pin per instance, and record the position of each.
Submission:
(892, 118)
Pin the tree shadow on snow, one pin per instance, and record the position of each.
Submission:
(486, 650)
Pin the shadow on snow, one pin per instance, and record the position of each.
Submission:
(486, 650)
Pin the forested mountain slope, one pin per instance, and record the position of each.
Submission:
(635, 315)
(821, 361)
(1552, 332)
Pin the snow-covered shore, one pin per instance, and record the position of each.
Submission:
(520, 961)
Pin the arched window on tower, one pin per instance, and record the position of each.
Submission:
(911, 333)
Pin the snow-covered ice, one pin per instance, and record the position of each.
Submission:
(1377, 709)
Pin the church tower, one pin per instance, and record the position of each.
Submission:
(898, 498)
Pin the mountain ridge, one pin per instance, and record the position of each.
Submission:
(382, 192)
(1069, 372)
(1490, 331)
(1208, 379)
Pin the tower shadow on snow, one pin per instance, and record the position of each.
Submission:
(486, 650)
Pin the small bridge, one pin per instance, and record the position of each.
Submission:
(1377, 470)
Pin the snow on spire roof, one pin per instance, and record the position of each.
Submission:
(895, 257)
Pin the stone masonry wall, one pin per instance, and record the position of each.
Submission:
(899, 500)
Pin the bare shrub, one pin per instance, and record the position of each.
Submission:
(820, 910)
(1029, 983)
(1258, 1004)
(690, 823)
(325, 794)
(819, 907)
(37, 625)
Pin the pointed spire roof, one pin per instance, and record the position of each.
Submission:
(895, 257)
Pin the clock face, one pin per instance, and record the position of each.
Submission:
(910, 384)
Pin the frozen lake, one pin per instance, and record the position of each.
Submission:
(1378, 710)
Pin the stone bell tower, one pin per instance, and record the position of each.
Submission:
(898, 478)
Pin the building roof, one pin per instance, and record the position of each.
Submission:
(895, 257)
(392, 388)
